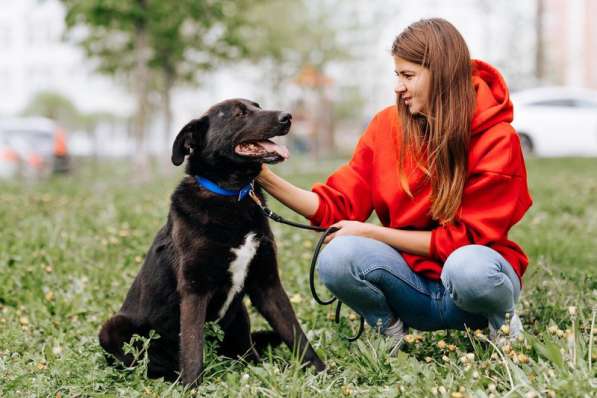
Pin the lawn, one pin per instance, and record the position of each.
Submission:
(71, 246)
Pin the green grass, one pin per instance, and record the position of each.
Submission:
(71, 246)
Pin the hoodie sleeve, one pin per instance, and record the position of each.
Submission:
(346, 195)
(495, 198)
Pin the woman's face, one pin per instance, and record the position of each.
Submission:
(412, 85)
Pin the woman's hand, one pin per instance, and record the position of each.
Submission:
(300, 200)
(354, 228)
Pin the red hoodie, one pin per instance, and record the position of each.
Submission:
(495, 194)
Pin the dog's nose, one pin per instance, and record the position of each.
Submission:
(284, 117)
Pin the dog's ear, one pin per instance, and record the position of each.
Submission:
(188, 138)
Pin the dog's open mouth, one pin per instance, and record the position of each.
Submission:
(267, 150)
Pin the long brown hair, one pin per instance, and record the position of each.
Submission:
(440, 138)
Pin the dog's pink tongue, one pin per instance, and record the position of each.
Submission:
(270, 146)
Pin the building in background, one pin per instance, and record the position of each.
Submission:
(570, 42)
(34, 58)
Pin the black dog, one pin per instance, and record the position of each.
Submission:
(215, 246)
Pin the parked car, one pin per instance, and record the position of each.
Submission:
(32, 147)
(556, 121)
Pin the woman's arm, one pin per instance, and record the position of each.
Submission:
(415, 242)
(306, 203)
(300, 200)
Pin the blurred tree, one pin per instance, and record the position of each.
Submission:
(540, 41)
(304, 37)
(55, 106)
(157, 43)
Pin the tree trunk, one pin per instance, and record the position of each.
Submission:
(539, 47)
(164, 155)
(325, 132)
(140, 84)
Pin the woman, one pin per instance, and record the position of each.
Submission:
(444, 171)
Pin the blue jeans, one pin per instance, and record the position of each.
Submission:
(477, 285)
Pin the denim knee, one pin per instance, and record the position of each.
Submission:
(474, 277)
(334, 261)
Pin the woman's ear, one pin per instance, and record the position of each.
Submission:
(188, 138)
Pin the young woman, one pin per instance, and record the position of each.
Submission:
(444, 171)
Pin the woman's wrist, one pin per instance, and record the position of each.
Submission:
(264, 176)
(371, 231)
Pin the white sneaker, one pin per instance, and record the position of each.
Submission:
(506, 333)
(396, 332)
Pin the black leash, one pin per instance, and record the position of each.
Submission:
(326, 232)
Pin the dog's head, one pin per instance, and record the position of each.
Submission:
(232, 134)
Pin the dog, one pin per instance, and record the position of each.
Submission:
(215, 247)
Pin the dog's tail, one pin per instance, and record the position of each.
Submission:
(265, 338)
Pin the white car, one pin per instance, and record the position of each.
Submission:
(556, 121)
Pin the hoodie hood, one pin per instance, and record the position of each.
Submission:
(493, 99)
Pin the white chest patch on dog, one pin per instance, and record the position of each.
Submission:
(239, 267)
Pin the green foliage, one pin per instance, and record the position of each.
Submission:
(55, 106)
(58, 107)
(184, 37)
(284, 36)
(71, 247)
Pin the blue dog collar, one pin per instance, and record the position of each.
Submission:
(215, 188)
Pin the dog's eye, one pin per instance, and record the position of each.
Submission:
(242, 112)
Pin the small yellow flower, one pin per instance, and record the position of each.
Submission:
(457, 395)
(307, 244)
(505, 329)
(428, 359)
(24, 320)
(331, 316)
(451, 347)
(522, 358)
(49, 295)
(352, 316)
(409, 338)
(296, 298)
(441, 344)
(346, 391)
(553, 329)
(572, 310)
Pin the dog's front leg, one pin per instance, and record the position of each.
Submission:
(193, 309)
(272, 302)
